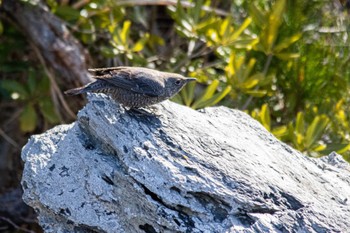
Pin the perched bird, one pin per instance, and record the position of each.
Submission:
(134, 87)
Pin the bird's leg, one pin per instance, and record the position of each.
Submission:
(149, 111)
(153, 108)
(140, 112)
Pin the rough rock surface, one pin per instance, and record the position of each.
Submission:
(215, 170)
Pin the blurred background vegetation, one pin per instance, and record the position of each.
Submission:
(284, 62)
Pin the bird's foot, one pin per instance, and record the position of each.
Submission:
(150, 111)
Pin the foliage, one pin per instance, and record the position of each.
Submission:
(34, 99)
(24, 84)
(285, 62)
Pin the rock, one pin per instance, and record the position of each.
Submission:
(180, 170)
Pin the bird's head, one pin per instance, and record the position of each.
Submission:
(175, 82)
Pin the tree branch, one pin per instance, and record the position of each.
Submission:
(50, 36)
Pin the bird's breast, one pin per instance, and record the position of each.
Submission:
(131, 99)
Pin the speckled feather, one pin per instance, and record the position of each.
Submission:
(134, 87)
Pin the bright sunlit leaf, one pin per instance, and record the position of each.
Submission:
(28, 119)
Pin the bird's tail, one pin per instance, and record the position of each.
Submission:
(90, 87)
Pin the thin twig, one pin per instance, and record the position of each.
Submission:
(171, 3)
(59, 94)
(13, 117)
(203, 51)
(267, 64)
(54, 85)
(29, 220)
(55, 101)
(80, 4)
(15, 225)
(266, 68)
(8, 138)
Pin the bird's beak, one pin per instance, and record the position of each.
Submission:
(190, 79)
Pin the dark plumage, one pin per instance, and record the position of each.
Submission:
(134, 87)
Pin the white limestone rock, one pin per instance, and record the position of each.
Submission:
(215, 170)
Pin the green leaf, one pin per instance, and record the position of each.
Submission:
(293, 137)
(286, 43)
(140, 44)
(230, 68)
(315, 130)
(255, 115)
(249, 84)
(189, 88)
(68, 13)
(275, 20)
(13, 86)
(258, 16)
(270, 30)
(239, 31)
(245, 43)
(287, 56)
(180, 12)
(299, 139)
(249, 68)
(52, 4)
(265, 116)
(155, 40)
(213, 100)
(187, 93)
(256, 93)
(88, 25)
(48, 110)
(1, 27)
(108, 52)
(124, 34)
(197, 11)
(210, 90)
(280, 132)
(225, 27)
(300, 125)
(43, 86)
(177, 99)
(219, 96)
(28, 119)
(340, 148)
(264, 80)
(318, 148)
(208, 24)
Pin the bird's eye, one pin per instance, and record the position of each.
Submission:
(178, 82)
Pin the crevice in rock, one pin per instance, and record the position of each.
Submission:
(51, 168)
(107, 180)
(292, 202)
(175, 189)
(64, 171)
(174, 148)
(148, 228)
(87, 229)
(284, 200)
(244, 217)
(154, 196)
(262, 210)
(219, 208)
(243, 214)
(65, 211)
(184, 212)
(88, 137)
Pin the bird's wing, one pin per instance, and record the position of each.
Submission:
(103, 71)
(125, 77)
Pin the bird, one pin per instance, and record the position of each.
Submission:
(133, 87)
